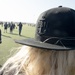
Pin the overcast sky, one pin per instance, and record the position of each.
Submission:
(28, 10)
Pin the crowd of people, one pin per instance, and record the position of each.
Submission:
(12, 26)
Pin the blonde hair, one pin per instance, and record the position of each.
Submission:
(36, 61)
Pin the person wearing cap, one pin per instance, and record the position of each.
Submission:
(52, 51)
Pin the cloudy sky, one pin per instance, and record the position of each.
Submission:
(28, 10)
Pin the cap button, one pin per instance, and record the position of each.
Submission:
(60, 6)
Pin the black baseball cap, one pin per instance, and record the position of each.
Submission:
(55, 30)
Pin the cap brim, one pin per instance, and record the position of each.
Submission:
(38, 44)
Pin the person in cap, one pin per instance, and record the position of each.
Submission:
(52, 51)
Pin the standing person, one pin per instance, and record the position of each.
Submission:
(52, 52)
(5, 27)
(11, 27)
(20, 28)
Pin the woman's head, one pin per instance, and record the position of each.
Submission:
(36, 61)
(51, 52)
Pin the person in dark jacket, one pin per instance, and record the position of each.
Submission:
(20, 28)
(5, 27)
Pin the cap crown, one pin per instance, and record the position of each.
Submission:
(56, 22)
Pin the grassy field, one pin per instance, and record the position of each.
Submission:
(8, 41)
